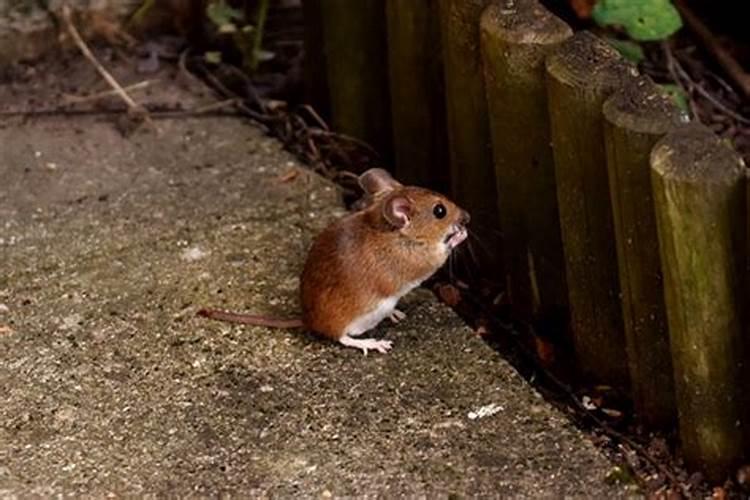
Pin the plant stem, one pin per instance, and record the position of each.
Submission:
(260, 22)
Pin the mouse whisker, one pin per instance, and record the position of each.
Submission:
(470, 246)
(470, 262)
(482, 248)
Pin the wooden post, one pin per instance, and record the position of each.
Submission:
(420, 140)
(699, 195)
(635, 118)
(354, 38)
(315, 74)
(515, 42)
(471, 171)
(580, 76)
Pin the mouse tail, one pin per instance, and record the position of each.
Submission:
(250, 319)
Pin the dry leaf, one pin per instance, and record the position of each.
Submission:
(743, 475)
(462, 285)
(611, 412)
(583, 8)
(449, 294)
(544, 351)
(289, 176)
(5, 330)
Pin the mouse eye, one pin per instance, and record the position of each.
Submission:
(439, 211)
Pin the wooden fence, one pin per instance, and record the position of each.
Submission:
(612, 207)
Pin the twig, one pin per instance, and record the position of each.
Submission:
(213, 106)
(260, 23)
(251, 90)
(358, 142)
(671, 67)
(133, 106)
(678, 71)
(213, 109)
(260, 117)
(731, 66)
(75, 99)
(182, 64)
(316, 116)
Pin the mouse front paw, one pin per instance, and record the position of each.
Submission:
(382, 346)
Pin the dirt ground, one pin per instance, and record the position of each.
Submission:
(109, 243)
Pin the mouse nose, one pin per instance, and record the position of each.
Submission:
(464, 218)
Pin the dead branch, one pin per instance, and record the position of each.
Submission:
(723, 57)
(679, 75)
(75, 99)
(134, 108)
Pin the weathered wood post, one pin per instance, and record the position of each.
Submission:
(354, 38)
(420, 142)
(515, 42)
(635, 118)
(315, 73)
(580, 76)
(471, 171)
(699, 196)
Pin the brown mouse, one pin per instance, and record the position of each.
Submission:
(362, 264)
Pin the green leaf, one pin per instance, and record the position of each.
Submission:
(629, 49)
(643, 20)
(677, 95)
(222, 14)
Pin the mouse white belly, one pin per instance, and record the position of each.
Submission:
(384, 309)
(370, 320)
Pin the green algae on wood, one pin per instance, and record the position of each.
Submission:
(471, 170)
(354, 39)
(699, 198)
(417, 93)
(515, 42)
(581, 74)
(635, 118)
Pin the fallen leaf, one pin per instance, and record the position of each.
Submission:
(274, 105)
(743, 475)
(610, 412)
(719, 493)
(583, 8)
(588, 404)
(5, 330)
(289, 176)
(544, 351)
(462, 284)
(449, 294)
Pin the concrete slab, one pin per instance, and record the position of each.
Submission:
(110, 386)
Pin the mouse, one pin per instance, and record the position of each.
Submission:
(361, 265)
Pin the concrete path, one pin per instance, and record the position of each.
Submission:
(110, 385)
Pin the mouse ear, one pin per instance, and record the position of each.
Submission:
(376, 180)
(397, 210)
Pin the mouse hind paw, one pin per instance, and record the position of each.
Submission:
(382, 346)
